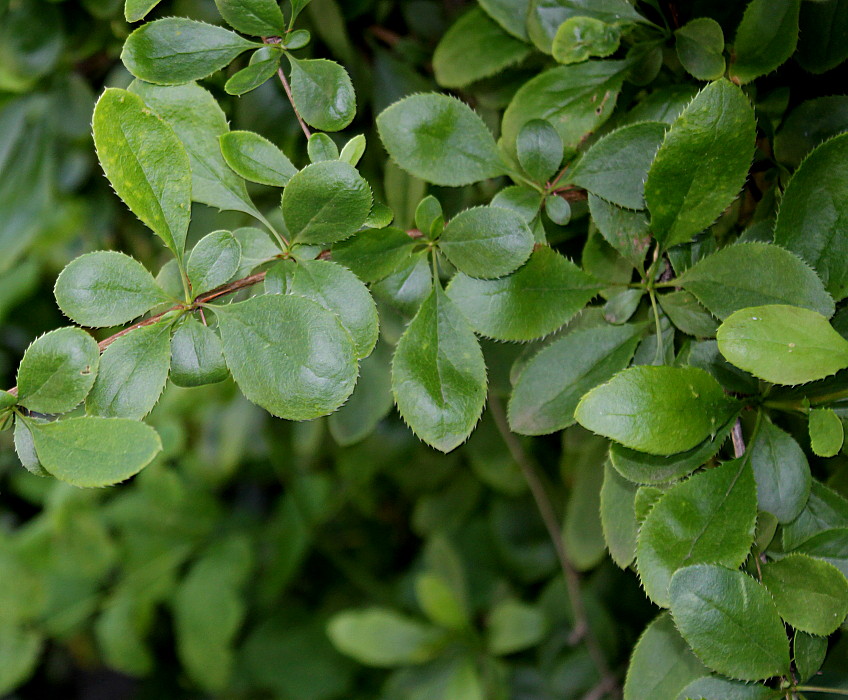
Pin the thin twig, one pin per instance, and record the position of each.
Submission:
(582, 629)
(271, 40)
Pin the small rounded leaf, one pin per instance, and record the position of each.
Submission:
(539, 149)
(197, 357)
(256, 159)
(213, 261)
(323, 93)
(700, 48)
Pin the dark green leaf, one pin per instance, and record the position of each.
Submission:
(688, 315)
(822, 26)
(256, 159)
(213, 261)
(370, 402)
(700, 48)
(626, 231)
(618, 516)
(808, 653)
(323, 93)
(830, 545)
(582, 468)
(135, 10)
(374, 254)
(808, 125)
(766, 37)
(825, 510)
(253, 75)
(57, 371)
(579, 38)
(781, 472)
(255, 17)
(826, 432)
(407, 288)
(539, 149)
(197, 355)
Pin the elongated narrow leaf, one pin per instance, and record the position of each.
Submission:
(254, 75)
(176, 50)
(766, 37)
(781, 472)
(552, 383)
(539, 149)
(213, 261)
(659, 410)
(256, 159)
(618, 516)
(439, 139)
(438, 374)
(288, 354)
(684, 197)
(132, 375)
(94, 451)
(782, 344)
(197, 355)
(730, 622)
(536, 299)
(323, 93)
(710, 517)
(255, 17)
(146, 164)
(57, 371)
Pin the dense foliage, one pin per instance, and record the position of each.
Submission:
(602, 280)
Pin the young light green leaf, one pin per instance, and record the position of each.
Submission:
(781, 472)
(146, 164)
(618, 516)
(133, 372)
(321, 147)
(57, 371)
(700, 48)
(256, 159)
(25, 449)
(812, 214)
(326, 202)
(253, 75)
(486, 242)
(439, 139)
(384, 638)
(730, 622)
(335, 288)
(254, 17)
(536, 299)
(197, 355)
(135, 10)
(438, 374)
(659, 410)
(718, 127)
(544, 17)
(288, 354)
(809, 125)
(213, 261)
(440, 602)
(106, 288)
(353, 150)
(754, 274)
(710, 517)
(661, 664)
(92, 451)
(580, 38)
(575, 99)
(474, 48)
(323, 93)
(552, 383)
(539, 149)
(826, 432)
(514, 626)
(374, 254)
(765, 39)
(782, 344)
(615, 167)
(177, 50)
(297, 39)
(20, 648)
(810, 594)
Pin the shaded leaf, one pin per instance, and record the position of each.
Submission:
(213, 261)
(781, 472)
(766, 37)
(197, 355)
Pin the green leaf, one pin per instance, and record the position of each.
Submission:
(782, 344)
(813, 214)
(558, 209)
(700, 48)
(830, 545)
(19, 651)
(374, 254)
(57, 371)
(618, 516)
(684, 311)
(536, 299)
(383, 638)
(765, 39)
(626, 231)
(546, 16)
(197, 355)
(106, 288)
(94, 451)
(730, 622)
(710, 517)
(257, 247)
(659, 410)
(811, 595)
(146, 164)
(257, 73)
(177, 50)
(716, 688)
(825, 510)
(326, 202)
(808, 125)
(661, 664)
(821, 28)
(582, 531)
(199, 123)
(575, 99)
(487, 242)
(539, 149)
(439, 601)
(781, 472)
(135, 10)
(429, 217)
(826, 432)
(321, 147)
(718, 127)
(438, 374)
(25, 449)
(615, 167)
(254, 17)
(552, 383)
(133, 372)
(323, 93)
(514, 626)
(439, 139)
(256, 159)
(336, 289)
(297, 7)
(288, 354)
(645, 468)
(511, 15)
(474, 48)
(754, 274)
(213, 261)
(353, 151)
(809, 652)
(409, 286)
(580, 38)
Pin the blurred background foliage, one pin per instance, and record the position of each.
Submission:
(214, 573)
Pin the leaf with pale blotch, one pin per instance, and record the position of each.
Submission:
(580, 38)
(781, 472)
